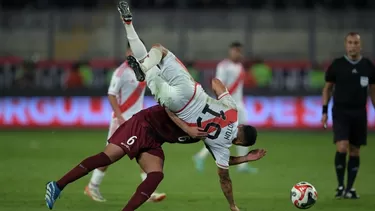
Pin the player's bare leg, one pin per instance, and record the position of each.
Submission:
(153, 166)
(111, 154)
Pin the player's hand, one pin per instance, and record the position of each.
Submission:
(324, 120)
(234, 208)
(196, 132)
(120, 120)
(256, 154)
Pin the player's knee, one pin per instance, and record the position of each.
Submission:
(354, 151)
(161, 48)
(156, 175)
(342, 146)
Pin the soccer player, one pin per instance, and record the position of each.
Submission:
(174, 88)
(141, 137)
(126, 96)
(231, 73)
(350, 76)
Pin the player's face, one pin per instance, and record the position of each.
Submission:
(353, 45)
(235, 54)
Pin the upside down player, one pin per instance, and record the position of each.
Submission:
(174, 88)
(125, 95)
(141, 137)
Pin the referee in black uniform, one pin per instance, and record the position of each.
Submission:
(350, 76)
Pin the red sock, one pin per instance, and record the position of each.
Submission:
(144, 191)
(84, 168)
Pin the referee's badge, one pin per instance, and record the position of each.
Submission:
(364, 81)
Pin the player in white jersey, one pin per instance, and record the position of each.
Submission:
(231, 73)
(125, 94)
(175, 89)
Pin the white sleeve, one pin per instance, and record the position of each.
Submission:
(227, 100)
(115, 85)
(221, 155)
(221, 74)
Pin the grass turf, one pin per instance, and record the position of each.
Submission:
(31, 158)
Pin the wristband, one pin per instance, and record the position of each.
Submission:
(325, 109)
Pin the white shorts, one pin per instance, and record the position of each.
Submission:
(172, 85)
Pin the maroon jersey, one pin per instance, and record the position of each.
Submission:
(146, 131)
(162, 127)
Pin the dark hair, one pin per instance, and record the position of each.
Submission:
(128, 45)
(351, 34)
(235, 44)
(250, 135)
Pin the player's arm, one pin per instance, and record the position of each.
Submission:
(194, 132)
(113, 90)
(330, 79)
(253, 155)
(372, 83)
(226, 185)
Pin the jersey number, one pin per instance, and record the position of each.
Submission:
(131, 140)
(220, 114)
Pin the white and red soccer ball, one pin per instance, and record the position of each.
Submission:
(303, 195)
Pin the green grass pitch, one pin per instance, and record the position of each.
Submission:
(28, 159)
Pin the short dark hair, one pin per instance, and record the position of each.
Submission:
(351, 34)
(128, 45)
(250, 135)
(235, 44)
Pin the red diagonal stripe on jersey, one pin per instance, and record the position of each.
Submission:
(133, 97)
(237, 82)
(231, 118)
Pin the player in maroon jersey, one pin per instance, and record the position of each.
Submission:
(140, 137)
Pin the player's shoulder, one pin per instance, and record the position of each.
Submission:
(224, 63)
(123, 70)
(367, 60)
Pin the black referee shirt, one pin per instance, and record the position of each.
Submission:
(351, 80)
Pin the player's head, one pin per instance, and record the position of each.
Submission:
(246, 136)
(353, 44)
(235, 51)
(129, 49)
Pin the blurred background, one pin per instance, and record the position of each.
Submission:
(57, 58)
(70, 48)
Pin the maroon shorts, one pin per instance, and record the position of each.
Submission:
(134, 137)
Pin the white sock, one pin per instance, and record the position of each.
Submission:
(241, 151)
(143, 176)
(138, 48)
(202, 153)
(96, 178)
(154, 57)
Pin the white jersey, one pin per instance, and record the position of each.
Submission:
(232, 75)
(175, 89)
(128, 91)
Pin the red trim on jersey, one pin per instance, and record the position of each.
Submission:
(237, 82)
(133, 97)
(231, 117)
(195, 90)
(178, 61)
(223, 95)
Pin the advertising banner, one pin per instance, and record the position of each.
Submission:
(95, 112)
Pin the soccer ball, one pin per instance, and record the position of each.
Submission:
(303, 195)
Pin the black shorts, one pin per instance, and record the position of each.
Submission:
(350, 125)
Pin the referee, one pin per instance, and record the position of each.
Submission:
(350, 76)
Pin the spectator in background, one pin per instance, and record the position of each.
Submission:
(193, 72)
(25, 76)
(74, 78)
(261, 73)
(87, 74)
(316, 76)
